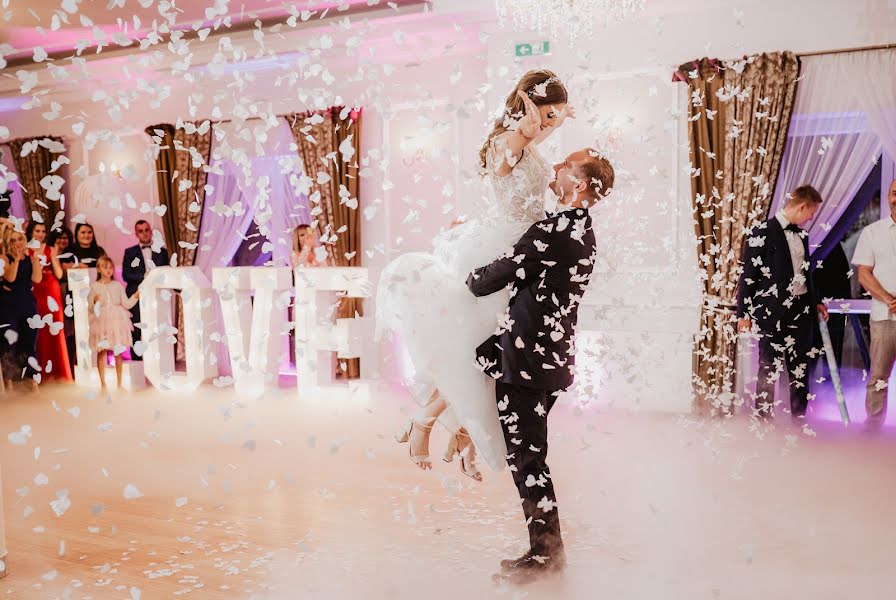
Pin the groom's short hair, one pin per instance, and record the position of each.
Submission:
(598, 172)
(805, 194)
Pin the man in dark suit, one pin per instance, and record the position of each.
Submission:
(532, 355)
(777, 296)
(137, 261)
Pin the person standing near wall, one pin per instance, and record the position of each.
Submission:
(776, 294)
(139, 260)
(875, 257)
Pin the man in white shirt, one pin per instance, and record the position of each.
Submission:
(776, 294)
(875, 257)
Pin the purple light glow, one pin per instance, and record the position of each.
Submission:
(13, 103)
(824, 407)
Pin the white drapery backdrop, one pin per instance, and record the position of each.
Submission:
(877, 93)
(845, 113)
(255, 172)
(226, 217)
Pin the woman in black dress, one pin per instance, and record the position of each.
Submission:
(61, 239)
(20, 272)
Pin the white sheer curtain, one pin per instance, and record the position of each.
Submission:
(226, 217)
(874, 83)
(255, 174)
(259, 170)
(281, 196)
(830, 145)
(285, 210)
(269, 173)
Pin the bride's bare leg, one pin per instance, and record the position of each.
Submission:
(467, 451)
(459, 443)
(435, 407)
(419, 438)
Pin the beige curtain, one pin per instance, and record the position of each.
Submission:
(193, 151)
(165, 158)
(188, 155)
(739, 113)
(333, 146)
(32, 169)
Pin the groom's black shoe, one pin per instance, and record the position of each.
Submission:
(528, 570)
(512, 563)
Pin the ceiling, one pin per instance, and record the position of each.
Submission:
(107, 12)
(59, 26)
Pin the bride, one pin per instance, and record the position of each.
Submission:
(423, 298)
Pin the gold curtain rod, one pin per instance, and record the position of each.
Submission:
(847, 50)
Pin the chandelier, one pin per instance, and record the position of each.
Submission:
(568, 19)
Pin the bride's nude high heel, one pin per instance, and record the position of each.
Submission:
(458, 442)
(404, 435)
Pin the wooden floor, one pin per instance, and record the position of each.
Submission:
(211, 495)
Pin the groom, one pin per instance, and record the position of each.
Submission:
(531, 355)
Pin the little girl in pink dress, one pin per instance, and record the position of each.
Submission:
(110, 321)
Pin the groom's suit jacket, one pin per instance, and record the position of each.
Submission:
(549, 269)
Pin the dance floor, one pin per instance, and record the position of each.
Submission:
(214, 495)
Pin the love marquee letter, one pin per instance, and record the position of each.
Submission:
(255, 331)
(156, 310)
(317, 338)
(79, 281)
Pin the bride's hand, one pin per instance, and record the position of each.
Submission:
(568, 112)
(530, 125)
(456, 222)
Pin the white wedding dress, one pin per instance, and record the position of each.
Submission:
(423, 298)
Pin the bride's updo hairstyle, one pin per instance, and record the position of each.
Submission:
(542, 86)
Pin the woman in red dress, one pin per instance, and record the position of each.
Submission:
(51, 349)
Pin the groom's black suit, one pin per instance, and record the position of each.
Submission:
(531, 357)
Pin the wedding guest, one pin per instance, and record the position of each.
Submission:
(875, 257)
(61, 239)
(51, 348)
(85, 251)
(305, 248)
(110, 323)
(307, 252)
(777, 296)
(20, 273)
(139, 260)
(5, 232)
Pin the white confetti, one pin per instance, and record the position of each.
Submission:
(131, 492)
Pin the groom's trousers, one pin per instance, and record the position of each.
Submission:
(524, 420)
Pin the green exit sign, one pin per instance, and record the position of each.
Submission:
(533, 49)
